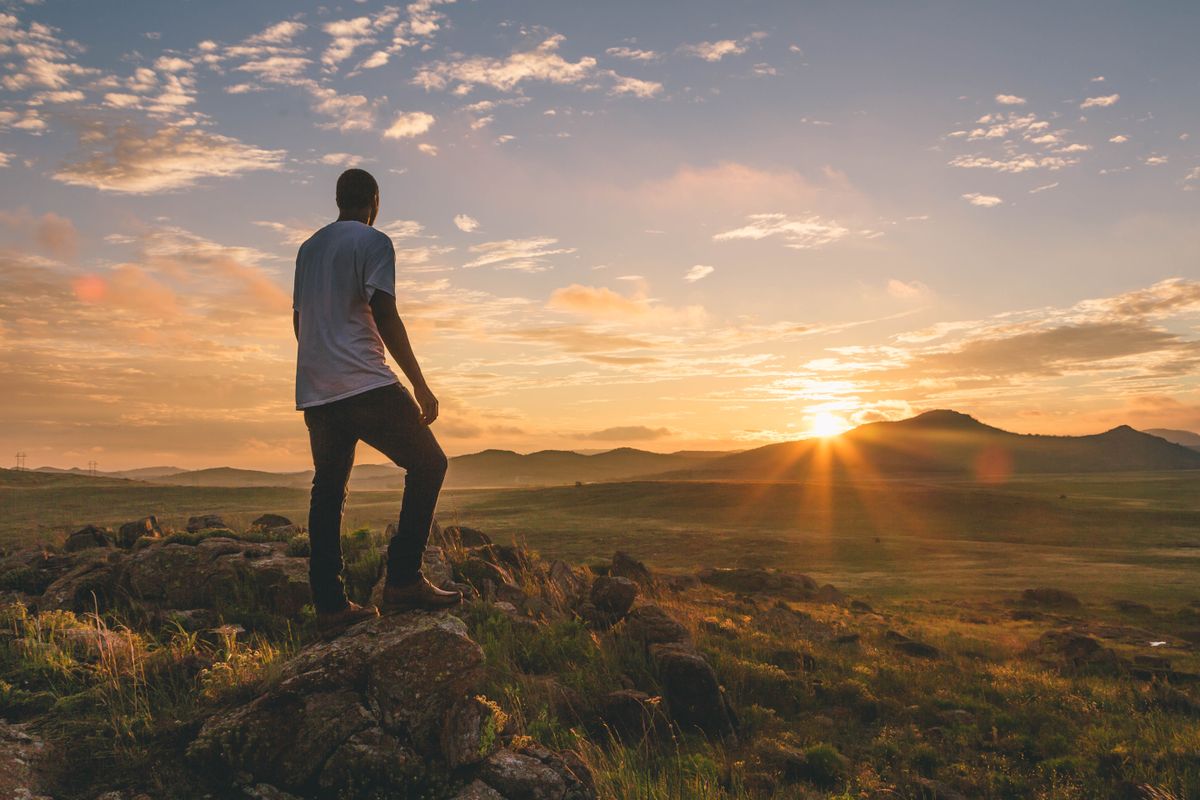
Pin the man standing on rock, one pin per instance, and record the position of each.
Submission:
(344, 314)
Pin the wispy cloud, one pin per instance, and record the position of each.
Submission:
(524, 255)
(800, 233)
(1010, 100)
(1100, 102)
(543, 63)
(408, 125)
(698, 272)
(717, 50)
(982, 200)
(465, 223)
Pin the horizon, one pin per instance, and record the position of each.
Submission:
(598, 452)
(713, 232)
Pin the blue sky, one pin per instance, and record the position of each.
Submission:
(665, 225)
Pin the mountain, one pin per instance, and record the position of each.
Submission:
(1185, 438)
(139, 474)
(947, 443)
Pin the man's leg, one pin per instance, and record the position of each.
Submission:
(333, 458)
(390, 421)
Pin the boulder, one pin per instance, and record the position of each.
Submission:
(1050, 598)
(567, 582)
(910, 646)
(750, 580)
(465, 537)
(631, 715)
(130, 532)
(478, 790)
(88, 537)
(268, 521)
(650, 624)
(690, 687)
(613, 596)
(1075, 652)
(535, 773)
(470, 730)
(90, 585)
(31, 570)
(368, 702)
(626, 566)
(829, 594)
(204, 521)
(483, 575)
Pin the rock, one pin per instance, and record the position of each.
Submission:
(613, 596)
(465, 537)
(568, 583)
(87, 537)
(861, 607)
(265, 791)
(1050, 598)
(369, 759)
(191, 619)
(631, 715)
(1132, 607)
(203, 522)
(436, 567)
(910, 646)
(626, 566)
(792, 660)
(514, 595)
(480, 573)
(20, 751)
(846, 638)
(829, 594)
(478, 790)
(379, 690)
(217, 573)
(31, 570)
(691, 689)
(91, 585)
(1075, 651)
(267, 522)
(469, 731)
(650, 624)
(522, 777)
(130, 532)
(755, 580)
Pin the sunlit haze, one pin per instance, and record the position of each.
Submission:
(667, 226)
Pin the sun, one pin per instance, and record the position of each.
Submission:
(825, 424)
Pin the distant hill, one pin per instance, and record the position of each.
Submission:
(140, 474)
(1185, 438)
(947, 443)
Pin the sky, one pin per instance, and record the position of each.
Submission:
(702, 225)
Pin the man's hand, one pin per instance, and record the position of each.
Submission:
(428, 404)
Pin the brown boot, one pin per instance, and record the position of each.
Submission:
(417, 595)
(331, 623)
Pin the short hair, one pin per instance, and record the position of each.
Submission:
(356, 188)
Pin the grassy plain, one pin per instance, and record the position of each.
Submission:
(1113, 536)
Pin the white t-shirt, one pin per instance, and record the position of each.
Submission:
(340, 353)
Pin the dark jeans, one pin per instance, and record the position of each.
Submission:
(388, 419)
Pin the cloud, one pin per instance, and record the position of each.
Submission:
(599, 302)
(279, 33)
(53, 234)
(627, 433)
(907, 290)
(982, 200)
(349, 112)
(698, 272)
(800, 233)
(525, 255)
(1100, 102)
(1006, 132)
(1045, 187)
(350, 34)
(5, 159)
(129, 160)
(428, 149)
(543, 63)
(465, 223)
(715, 51)
(1120, 138)
(408, 125)
(1155, 160)
(633, 86)
(1010, 100)
(341, 160)
(633, 54)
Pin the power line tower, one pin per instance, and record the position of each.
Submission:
(20, 460)
(92, 468)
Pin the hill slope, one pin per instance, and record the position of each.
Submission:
(948, 443)
(1185, 438)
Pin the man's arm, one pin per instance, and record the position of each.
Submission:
(395, 338)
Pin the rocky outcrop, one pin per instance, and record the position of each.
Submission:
(381, 708)
(608, 601)
(91, 584)
(631, 716)
(626, 566)
(130, 532)
(691, 689)
(755, 580)
(204, 522)
(88, 537)
(650, 625)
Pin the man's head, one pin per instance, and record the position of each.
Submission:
(358, 195)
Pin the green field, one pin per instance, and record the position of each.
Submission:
(1133, 535)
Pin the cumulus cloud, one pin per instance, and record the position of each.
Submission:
(698, 272)
(1022, 142)
(543, 63)
(279, 33)
(524, 255)
(633, 54)
(408, 125)
(1120, 138)
(1100, 102)
(1155, 160)
(348, 35)
(465, 223)
(800, 233)
(715, 51)
(1010, 100)
(627, 433)
(982, 200)
(129, 160)
(636, 87)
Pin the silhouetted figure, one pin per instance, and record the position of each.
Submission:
(344, 315)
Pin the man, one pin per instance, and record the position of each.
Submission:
(344, 314)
